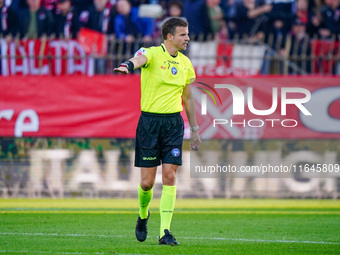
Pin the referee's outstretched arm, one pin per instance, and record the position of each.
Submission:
(131, 64)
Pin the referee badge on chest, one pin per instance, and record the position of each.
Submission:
(174, 70)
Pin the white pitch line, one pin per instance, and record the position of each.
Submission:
(193, 238)
(258, 240)
(56, 234)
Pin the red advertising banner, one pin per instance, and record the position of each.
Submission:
(36, 57)
(69, 106)
(108, 106)
(24, 57)
(93, 42)
(268, 108)
(325, 53)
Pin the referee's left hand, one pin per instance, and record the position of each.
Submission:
(195, 140)
(121, 69)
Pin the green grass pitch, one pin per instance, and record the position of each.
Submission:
(106, 226)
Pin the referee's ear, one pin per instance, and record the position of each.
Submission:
(169, 37)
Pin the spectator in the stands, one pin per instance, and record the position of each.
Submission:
(101, 17)
(196, 12)
(302, 10)
(250, 19)
(35, 21)
(18, 5)
(174, 9)
(111, 3)
(279, 21)
(82, 5)
(8, 21)
(67, 24)
(308, 16)
(206, 19)
(128, 26)
(216, 17)
(50, 5)
(299, 48)
(331, 20)
(136, 3)
(230, 16)
(314, 5)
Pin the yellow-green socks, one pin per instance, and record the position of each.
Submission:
(144, 200)
(166, 207)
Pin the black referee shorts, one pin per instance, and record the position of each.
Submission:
(159, 139)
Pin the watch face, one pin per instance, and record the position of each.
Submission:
(195, 128)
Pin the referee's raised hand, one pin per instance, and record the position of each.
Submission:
(131, 64)
(121, 69)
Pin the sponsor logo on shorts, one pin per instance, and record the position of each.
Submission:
(175, 152)
(149, 158)
(174, 70)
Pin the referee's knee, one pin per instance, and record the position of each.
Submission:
(169, 178)
(146, 185)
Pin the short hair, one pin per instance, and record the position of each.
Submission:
(169, 26)
(175, 2)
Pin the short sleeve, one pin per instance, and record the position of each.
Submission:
(147, 53)
(191, 74)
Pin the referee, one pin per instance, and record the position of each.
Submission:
(166, 74)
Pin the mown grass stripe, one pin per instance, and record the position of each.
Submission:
(53, 252)
(177, 212)
(126, 204)
(193, 238)
(156, 209)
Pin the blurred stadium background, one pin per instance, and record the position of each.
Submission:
(67, 122)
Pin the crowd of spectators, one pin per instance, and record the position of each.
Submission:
(251, 20)
(256, 19)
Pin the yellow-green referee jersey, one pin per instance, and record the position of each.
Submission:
(163, 80)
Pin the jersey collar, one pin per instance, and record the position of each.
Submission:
(165, 50)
